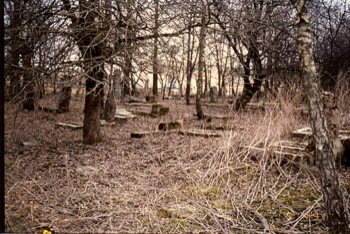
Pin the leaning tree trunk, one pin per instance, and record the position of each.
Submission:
(250, 89)
(338, 214)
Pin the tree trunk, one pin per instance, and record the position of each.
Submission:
(223, 86)
(15, 42)
(188, 69)
(170, 86)
(188, 89)
(92, 109)
(202, 38)
(28, 80)
(206, 82)
(219, 78)
(127, 72)
(15, 85)
(91, 49)
(244, 98)
(338, 214)
(54, 83)
(134, 91)
(250, 89)
(155, 49)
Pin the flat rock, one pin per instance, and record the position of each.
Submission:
(124, 114)
(307, 132)
(199, 132)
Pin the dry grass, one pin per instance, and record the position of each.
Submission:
(343, 93)
(162, 183)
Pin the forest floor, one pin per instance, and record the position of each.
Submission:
(164, 182)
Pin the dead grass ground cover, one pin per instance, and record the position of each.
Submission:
(161, 183)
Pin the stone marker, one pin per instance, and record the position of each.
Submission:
(213, 94)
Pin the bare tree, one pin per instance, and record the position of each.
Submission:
(338, 214)
(91, 48)
(13, 53)
(190, 64)
(155, 48)
(332, 54)
(173, 66)
(201, 61)
(245, 25)
(221, 65)
(27, 24)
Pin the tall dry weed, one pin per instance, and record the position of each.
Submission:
(342, 93)
(249, 175)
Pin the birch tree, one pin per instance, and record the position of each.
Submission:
(201, 62)
(338, 214)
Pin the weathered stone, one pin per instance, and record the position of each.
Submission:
(65, 96)
(151, 99)
(213, 94)
(170, 125)
(159, 110)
